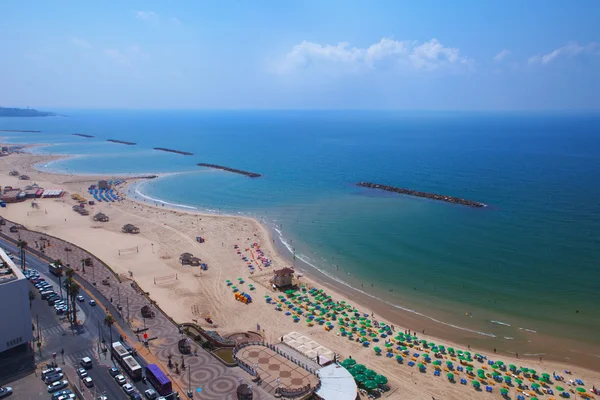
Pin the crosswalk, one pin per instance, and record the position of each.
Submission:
(75, 357)
(53, 331)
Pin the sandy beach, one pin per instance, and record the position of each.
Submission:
(189, 293)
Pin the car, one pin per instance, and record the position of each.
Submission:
(102, 397)
(70, 396)
(128, 388)
(92, 302)
(51, 378)
(114, 371)
(120, 379)
(61, 310)
(80, 298)
(88, 381)
(56, 395)
(150, 394)
(57, 386)
(86, 362)
(52, 299)
(82, 372)
(51, 371)
(5, 391)
(135, 396)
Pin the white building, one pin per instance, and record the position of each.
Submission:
(15, 314)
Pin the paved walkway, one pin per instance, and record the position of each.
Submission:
(217, 381)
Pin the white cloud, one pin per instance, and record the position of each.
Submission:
(146, 15)
(81, 43)
(568, 51)
(175, 21)
(502, 55)
(127, 56)
(407, 55)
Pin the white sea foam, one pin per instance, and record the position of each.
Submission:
(508, 338)
(499, 323)
(307, 260)
(137, 191)
(527, 330)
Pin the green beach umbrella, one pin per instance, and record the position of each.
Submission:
(381, 380)
(503, 391)
(450, 350)
(519, 381)
(360, 378)
(370, 373)
(389, 345)
(469, 368)
(421, 366)
(512, 367)
(450, 375)
(507, 379)
(560, 388)
(581, 390)
(495, 373)
(360, 368)
(476, 383)
(370, 385)
(500, 362)
(535, 385)
(546, 375)
(448, 363)
(532, 371)
(377, 349)
(437, 362)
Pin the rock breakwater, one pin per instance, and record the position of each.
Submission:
(185, 153)
(83, 135)
(432, 196)
(121, 142)
(236, 171)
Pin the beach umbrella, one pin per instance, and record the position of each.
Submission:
(546, 375)
(360, 378)
(581, 390)
(449, 363)
(430, 344)
(519, 381)
(560, 388)
(348, 362)
(377, 349)
(475, 383)
(370, 373)
(507, 379)
(389, 344)
(421, 366)
(500, 362)
(512, 367)
(450, 350)
(370, 385)
(399, 358)
(532, 371)
(469, 368)
(450, 376)
(360, 368)
(503, 391)
(535, 385)
(437, 362)
(381, 380)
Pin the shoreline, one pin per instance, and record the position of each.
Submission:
(316, 278)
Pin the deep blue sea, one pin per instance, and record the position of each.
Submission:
(529, 260)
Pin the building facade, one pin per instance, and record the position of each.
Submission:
(15, 313)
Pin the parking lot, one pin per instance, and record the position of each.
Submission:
(30, 387)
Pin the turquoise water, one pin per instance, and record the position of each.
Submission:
(529, 260)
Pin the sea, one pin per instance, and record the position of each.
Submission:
(520, 275)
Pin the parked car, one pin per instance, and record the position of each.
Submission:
(150, 394)
(51, 371)
(51, 378)
(114, 371)
(58, 385)
(56, 395)
(120, 379)
(128, 388)
(92, 302)
(135, 396)
(88, 381)
(80, 298)
(82, 372)
(5, 391)
(70, 396)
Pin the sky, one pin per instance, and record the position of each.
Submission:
(323, 54)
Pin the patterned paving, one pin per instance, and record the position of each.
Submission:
(274, 369)
(217, 381)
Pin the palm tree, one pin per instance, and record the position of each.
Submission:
(31, 297)
(73, 292)
(21, 244)
(109, 321)
(59, 273)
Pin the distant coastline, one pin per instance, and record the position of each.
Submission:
(24, 112)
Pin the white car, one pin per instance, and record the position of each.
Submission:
(150, 394)
(128, 388)
(57, 386)
(80, 298)
(120, 379)
(70, 396)
(87, 381)
(5, 391)
(82, 372)
(92, 302)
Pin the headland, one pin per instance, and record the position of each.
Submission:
(24, 112)
(236, 171)
(185, 153)
(432, 196)
(121, 142)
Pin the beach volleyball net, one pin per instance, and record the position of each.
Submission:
(158, 280)
(128, 250)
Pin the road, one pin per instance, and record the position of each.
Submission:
(84, 342)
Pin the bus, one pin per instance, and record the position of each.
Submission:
(159, 380)
(132, 367)
(55, 269)
(119, 351)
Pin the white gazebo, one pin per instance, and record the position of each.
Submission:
(336, 383)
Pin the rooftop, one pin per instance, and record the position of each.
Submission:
(8, 270)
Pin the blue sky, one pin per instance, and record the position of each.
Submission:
(492, 55)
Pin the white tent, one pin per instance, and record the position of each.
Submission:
(336, 383)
